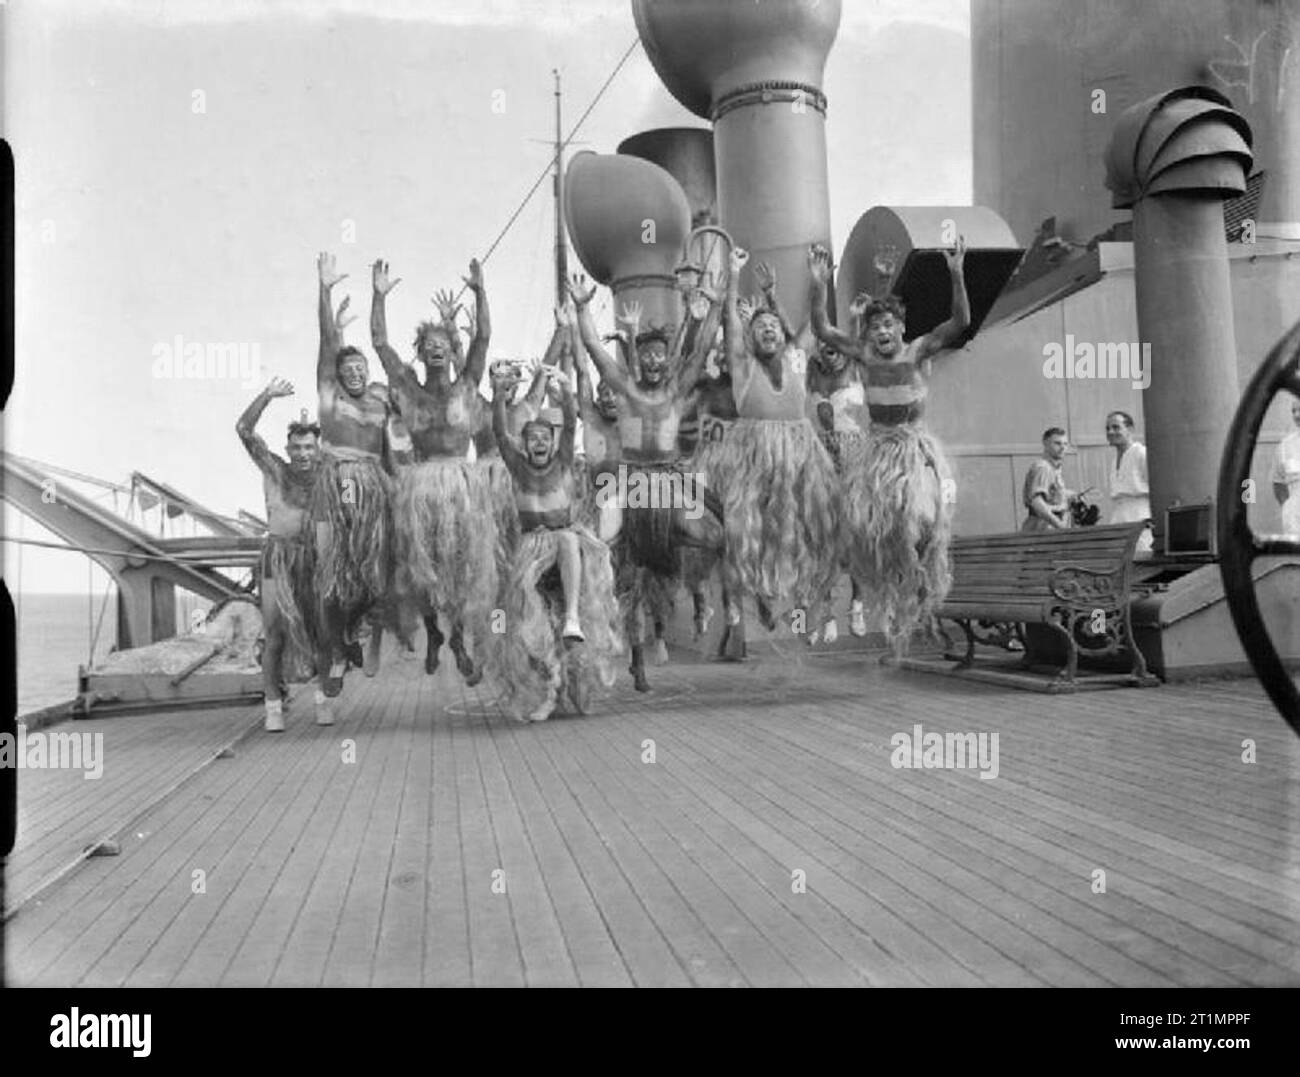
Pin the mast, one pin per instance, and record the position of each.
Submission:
(561, 251)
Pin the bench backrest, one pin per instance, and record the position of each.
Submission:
(1020, 561)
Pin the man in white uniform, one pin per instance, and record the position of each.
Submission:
(1286, 474)
(1129, 489)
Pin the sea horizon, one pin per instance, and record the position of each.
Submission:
(54, 634)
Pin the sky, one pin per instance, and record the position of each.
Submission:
(180, 164)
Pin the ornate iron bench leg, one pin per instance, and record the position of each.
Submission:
(1065, 677)
(1141, 674)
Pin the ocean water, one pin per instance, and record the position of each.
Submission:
(53, 638)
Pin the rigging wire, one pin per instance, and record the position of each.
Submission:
(99, 624)
(547, 170)
(131, 491)
(133, 554)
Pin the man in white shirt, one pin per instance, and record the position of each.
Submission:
(1286, 474)
(1130, 493)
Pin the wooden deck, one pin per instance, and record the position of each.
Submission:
(613, 871)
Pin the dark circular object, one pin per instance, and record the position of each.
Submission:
(1238, 546)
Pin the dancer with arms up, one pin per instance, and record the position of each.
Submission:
(650, 406)
(288, 607)
(539, 644)
(446, 528)
(350, 507)
(899, 488)
(779, 490)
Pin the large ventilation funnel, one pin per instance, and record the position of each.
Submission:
(628, 221)
(755, 70)
(686, 154)
(900, 249)
(1173, 159)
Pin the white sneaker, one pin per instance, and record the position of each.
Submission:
(702, 620)
(274, 716)
(830, 631)
(573, 630)
(661, 653)
(324, 709)
(544, 709)
(857, 619)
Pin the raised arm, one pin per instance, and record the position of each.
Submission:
(569, 409)
(506, 444)
(767, 283)
(586, 394)
(630, 318)
(535, 398)
(693, 368)
(331, 338)
(732, 328)
(609, 370)
(946, 334)
(397, 372)
(819, 264)
(246, 425)
(567, 320)
(447, 307)
(476, 358)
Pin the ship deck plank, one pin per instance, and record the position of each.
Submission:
(61, 811)
(458, 847)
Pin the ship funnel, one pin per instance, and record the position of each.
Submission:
(686, 154)
(755, 70)
(628, 221)
(1173, 159)
(901, 249)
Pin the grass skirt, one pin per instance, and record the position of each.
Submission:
(447, 541)
(704, 461)
(647, 535)
(353, 550)
(899, 525)
(585, 509)
(699, 564)
(287, 561)
(841, 445)
(501, 490)
(780, 499)
(532, 655)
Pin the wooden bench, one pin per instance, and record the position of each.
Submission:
(1076, 582)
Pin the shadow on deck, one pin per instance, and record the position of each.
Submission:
(427, 839)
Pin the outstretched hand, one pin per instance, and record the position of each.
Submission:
(746, 306)
(860, 303)
(579, 290)
(379, 277)
(766, 276)
(957, 256)
(327, 268)
(475, 278)
(630, 313)
(448, 308)
(278, 387)
(342, 319)
(819, 263)
(557, 383)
